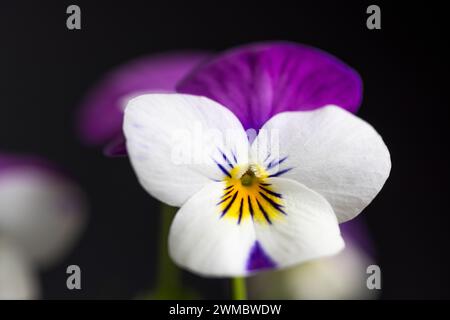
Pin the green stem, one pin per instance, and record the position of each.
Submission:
(169, 280)
(169, 274)
(239, 288)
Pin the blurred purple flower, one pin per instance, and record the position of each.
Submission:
(101, 113)
(13, 162)
(254, 81)
(260, 80)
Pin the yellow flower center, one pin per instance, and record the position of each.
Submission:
(248, 193)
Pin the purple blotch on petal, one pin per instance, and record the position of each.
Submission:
(258, 259)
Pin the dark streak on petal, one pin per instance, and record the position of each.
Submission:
(275, 163)
(234, 157)
(223, 200)
(279, 173)
(263, 212)
(273, 203)
(275, 194)
(224, 156)
(229, 204)
(250, 207)
(240, 210)
(227, 193)
(223, 169)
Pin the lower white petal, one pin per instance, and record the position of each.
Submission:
(206, 243)
(308, 230)
(230, 229)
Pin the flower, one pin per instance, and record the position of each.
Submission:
(41, 210)
(342, 276)
(268, 201)
(101, 113)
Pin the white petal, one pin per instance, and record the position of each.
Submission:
(43, 213)
(207, 243)
(204, 243)
(173, 140)
(18, 280)
(308, 229)
(330, 151)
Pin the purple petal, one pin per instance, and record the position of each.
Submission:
(258, 259)
(260, 80)
(116, 147)
(101, 113)
(9, 161)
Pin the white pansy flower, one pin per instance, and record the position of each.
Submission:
(249, 205)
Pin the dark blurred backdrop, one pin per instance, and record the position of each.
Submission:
(45, 69)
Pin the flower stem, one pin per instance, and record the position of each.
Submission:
(239, 288)
(169, 280)
(169, 274)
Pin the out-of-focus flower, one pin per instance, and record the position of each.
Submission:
(248, 206)
(342, 276)
(101, 113)
(42, 213)
(18, 279)
(40, 208)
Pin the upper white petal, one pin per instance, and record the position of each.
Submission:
(173, 140)
(330, 151)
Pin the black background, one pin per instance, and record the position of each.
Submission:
(45, 69)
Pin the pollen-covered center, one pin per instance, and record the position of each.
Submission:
(248, 193)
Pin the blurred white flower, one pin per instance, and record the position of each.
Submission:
(18, 279)
(338, 277)
(42, 212)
